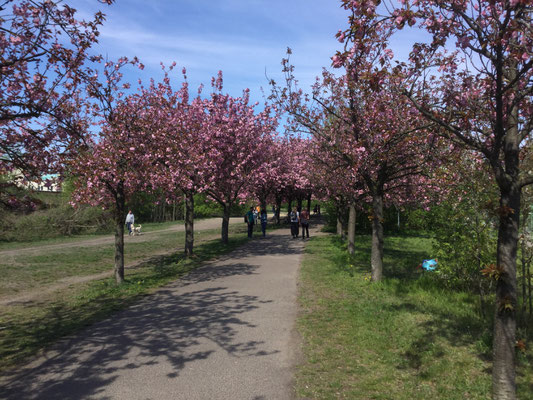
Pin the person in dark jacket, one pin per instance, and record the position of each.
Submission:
(263, 218)
(294, 217)
(250, 218)
(304, 222)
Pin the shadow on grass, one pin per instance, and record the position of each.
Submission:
(397, 263)
(458, 328)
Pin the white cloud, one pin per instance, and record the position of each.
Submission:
(240, 37)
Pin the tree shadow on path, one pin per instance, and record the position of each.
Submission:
(164, 329)
(276, 244)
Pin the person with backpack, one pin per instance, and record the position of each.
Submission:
(304, 222)
(294, 217)
(249, 218)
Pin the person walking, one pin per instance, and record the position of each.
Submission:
(249, 218)
(304, 222)
(256, 216)
(263, 221)
(294, 217)
(130, 220)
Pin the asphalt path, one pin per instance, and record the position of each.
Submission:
(226, 331)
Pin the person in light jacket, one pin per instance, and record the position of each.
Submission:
(130, 220)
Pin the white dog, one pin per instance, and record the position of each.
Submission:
(137, 230)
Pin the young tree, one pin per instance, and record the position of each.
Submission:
(178, 152)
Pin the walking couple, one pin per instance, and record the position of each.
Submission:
(250, 219)
(299, 219)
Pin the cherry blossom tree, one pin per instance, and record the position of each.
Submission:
(272, 184)
(236, 140)
(287, 172)
(333, 179)
(480, 97)
(114, 166)
(44, 47)
(178, 151)
(371, 132)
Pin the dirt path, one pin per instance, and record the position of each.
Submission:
(40, 294)
(201, 225)
(226, 331)
(36, 294)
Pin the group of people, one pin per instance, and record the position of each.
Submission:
(256, 215)
(297, 219)
(252, 217)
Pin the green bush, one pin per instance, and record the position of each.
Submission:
(204, 207)
(55, 222)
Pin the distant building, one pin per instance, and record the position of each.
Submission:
(49, 183)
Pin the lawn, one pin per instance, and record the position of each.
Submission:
(402, 338)
(30, 270)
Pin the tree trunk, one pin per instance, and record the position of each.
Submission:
(189, 223)
(289, 206)
(351, 229)
(377, 236)
(529, 290)
(120, 212)
(300, 202)
(225, 224)
(523, 262)
(278, 209)
(174, 210)
(398, 211)
(262, 202)
(341, 220)
(309, 203)
(504, 342)
(503, 370)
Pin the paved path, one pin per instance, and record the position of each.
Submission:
(224, 332)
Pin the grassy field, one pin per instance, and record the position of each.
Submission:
(402, 338)
(146, 227)
(26, 327)
(29, 270)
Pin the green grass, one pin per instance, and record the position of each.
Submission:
(402, 338)
(146, 227)
(27, 271)
(28, 328)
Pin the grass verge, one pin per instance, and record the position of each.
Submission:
(27, 328)
(402, 338)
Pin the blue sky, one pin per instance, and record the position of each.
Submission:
(243, 38)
